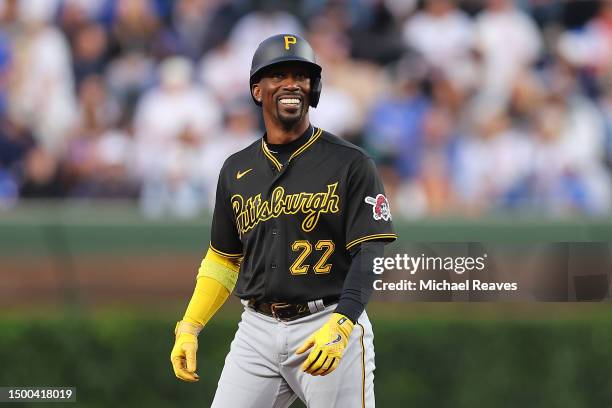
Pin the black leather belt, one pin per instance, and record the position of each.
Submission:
(290, 311)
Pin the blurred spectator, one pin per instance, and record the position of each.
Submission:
(444, 36)
(103, 167)
(220, 71)
(239, 131)
(589, 48)
(577, 13)
(563, 183)
(335, 113)
(98, 109)
(74, 14)
(199, 25)
(583, 130)
(546, 13)
(128, 77)
(493, 165)
(134, 31)
(439, 160)
(9, 191)
(43, 176)
(401, 9)
(431, 191)
(444, 92)
(606, 106)
(509, 43)
(98, 155)
(569, 166)
(89, 52)
(135, 26)
(43, 84)
(190, 22)
(5, 63)
(9, 16)
(361, 81)
(526, 97)
(15, 141)
(375, 36)
(171, 108)
(394, 128)
(172, 123)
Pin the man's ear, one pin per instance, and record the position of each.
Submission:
(256, 92)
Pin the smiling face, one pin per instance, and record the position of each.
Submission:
(284, 90)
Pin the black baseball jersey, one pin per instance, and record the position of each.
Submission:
(296, 223)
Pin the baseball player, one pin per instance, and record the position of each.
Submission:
(299, 217)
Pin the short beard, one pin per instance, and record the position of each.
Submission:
(287, 123)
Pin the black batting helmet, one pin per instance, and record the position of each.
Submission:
(286, 48)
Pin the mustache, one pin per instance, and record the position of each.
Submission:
(300, 95)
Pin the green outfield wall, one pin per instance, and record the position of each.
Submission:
(79, 254)
(82, 228)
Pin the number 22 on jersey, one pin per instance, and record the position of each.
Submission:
(305, 248)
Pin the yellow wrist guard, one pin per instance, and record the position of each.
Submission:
(183, 327)
(216, 279)
(220, 268)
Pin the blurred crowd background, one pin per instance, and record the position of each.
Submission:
(469, 107)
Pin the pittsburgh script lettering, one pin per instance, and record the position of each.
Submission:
(254, 210)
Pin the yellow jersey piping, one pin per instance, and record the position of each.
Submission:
(313, 138)
(225, 254)
(270, 156)
(363, 370)
(369, 238)
(316, 132)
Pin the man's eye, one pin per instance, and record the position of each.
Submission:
(278, 75)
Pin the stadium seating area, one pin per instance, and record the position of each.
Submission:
(468, 107)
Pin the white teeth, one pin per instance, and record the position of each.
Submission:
(290, 101)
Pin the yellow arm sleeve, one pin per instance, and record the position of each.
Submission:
(216, 279)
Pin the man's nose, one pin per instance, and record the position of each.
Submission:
(291, 82)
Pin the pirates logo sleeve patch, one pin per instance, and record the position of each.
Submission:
(380, 207)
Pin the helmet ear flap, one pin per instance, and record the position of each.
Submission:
(315, 90)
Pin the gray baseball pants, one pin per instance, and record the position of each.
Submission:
(262, 370)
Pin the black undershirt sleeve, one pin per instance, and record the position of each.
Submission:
(357, 287)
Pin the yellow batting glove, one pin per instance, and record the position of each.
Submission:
(328, 344)
(183, 355)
